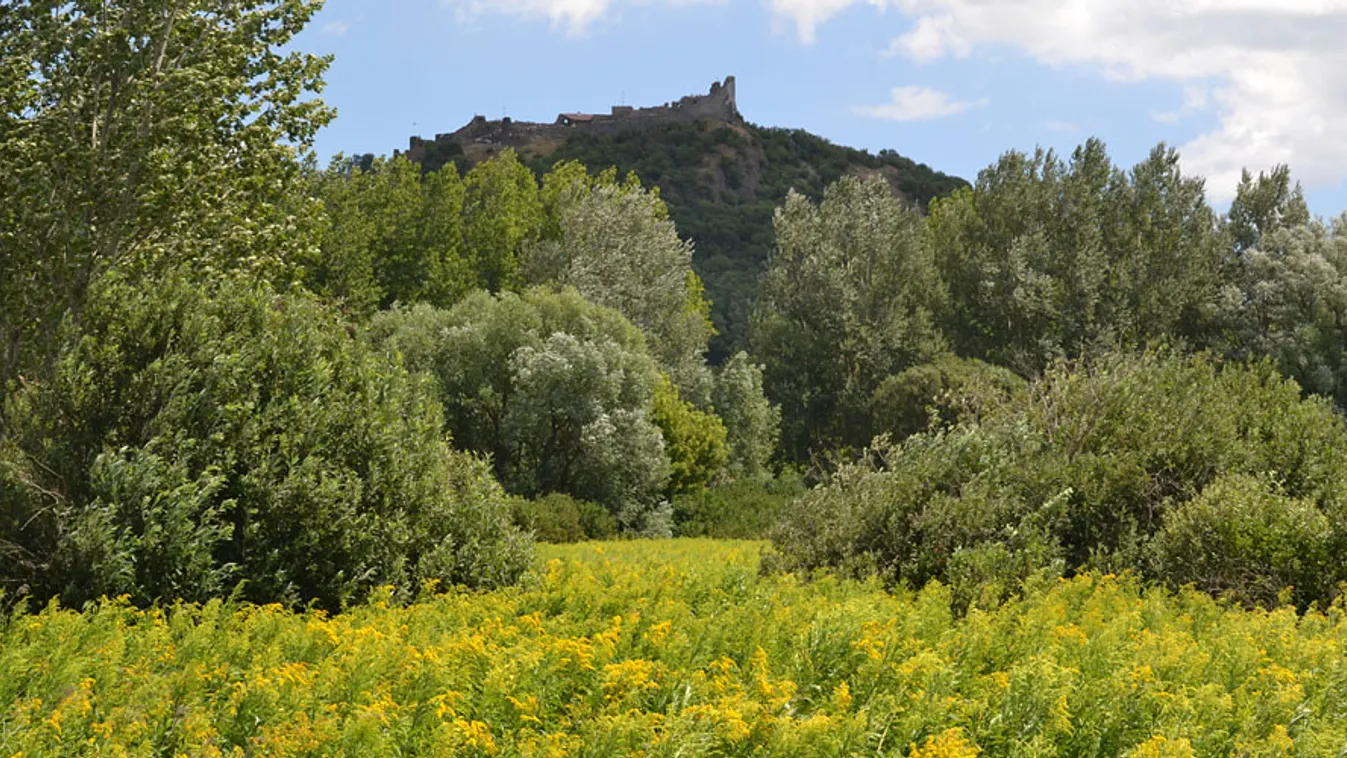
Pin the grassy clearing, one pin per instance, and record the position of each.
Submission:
(680, 648)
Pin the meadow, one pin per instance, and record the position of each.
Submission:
(681, 648)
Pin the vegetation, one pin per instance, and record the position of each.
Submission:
(90, 94)
(682, 648)
(745, 508)
(193, 438)
(558, 391)
(558, 517)
(945, 392)
(1168, 466)
(285, 436)
(722, 184)
(849, 299)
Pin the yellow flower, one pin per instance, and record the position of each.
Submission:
(842, 696)
(475, 734)
(658, 632)
(1160, 746)
(632, 678)
(948, 744)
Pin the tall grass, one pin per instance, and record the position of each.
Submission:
(681, 648)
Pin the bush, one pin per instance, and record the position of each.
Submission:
(556, 390)
(1243, 538)
(695, 440)
(744, 509)
(561, 518)
(1084, 473)
(752, 424)
(191, 439)
(945, 391)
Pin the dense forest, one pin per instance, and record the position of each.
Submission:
(280, 443)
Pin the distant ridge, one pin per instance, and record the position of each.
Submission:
(486, 137)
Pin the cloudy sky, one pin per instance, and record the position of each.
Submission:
(951, 83)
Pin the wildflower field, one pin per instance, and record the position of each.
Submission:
(681, 648)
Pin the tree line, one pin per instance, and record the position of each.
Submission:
(228, 370)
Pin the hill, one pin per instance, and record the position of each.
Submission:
(721, 176)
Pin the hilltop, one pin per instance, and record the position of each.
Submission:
(721, 176)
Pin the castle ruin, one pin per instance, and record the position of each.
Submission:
(717, 105)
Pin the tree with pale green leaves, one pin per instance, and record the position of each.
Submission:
(140, 135)
(752, 423)
(614, 243)
(558, 391)
(1264, 204)
(850, 296)
(1046, 257)
(1289, 302)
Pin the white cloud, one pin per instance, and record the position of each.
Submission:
(575, 15)
(918, 104)
(808, 14)
(336, 28)
(1273, 71)
(1195, 100)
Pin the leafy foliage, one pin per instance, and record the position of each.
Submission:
(695, 440)
(139, 135)
(392, 236)
(945, 392)
(559, 518)
(557, 390)
(1085, 473)
(616, 246)
(752, 424)
(745, 508)
(1288, 301)
(722, 183)
(1242, 538)
(848, 299)
(504, 214)
(683, 648)
(191, 438)
(1047, 259)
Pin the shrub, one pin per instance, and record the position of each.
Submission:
(744, 509)
(561, 518)
(694, 439)
(752, 424)
(557, 390)
(945, 391)
(1243, 538)
(192, 438)
(1083, 472)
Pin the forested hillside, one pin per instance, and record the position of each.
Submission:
(722, 182)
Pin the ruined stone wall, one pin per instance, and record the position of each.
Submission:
(717, 105)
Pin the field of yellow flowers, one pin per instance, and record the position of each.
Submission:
(680, 648)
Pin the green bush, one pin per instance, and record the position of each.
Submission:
(694, 439)
(190, 439)
(1243, 538)
(1084, 472)
(556, 390)
(561, 518)
(945, 391)
(752, 424)
(744, 509)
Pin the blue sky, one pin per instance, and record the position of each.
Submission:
(951, 83)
